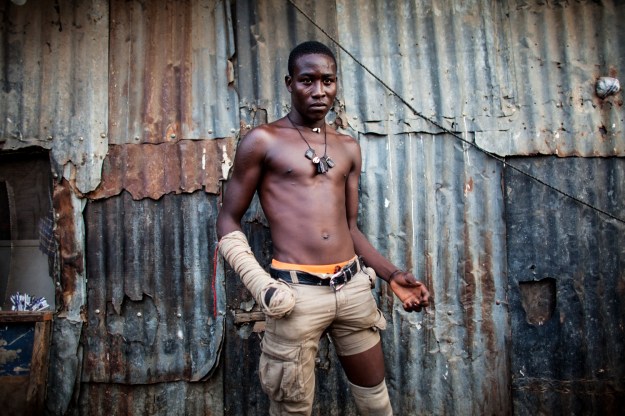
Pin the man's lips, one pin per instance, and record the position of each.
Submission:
(318, 105)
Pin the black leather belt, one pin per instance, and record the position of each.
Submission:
(336, 281)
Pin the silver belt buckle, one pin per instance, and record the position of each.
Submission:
(337, 286)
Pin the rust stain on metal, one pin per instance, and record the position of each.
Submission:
(158, 97)
(72, 264)
(468, 295)
(488, 292)
(151, 171)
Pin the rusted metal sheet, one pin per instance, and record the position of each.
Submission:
(567, 291)
(266, 31)
(175, 398)
(171, 76)
(54, 95)
(517, 77)
(443, 60)
(154, 312)
(558, 51)
(151, 171)
(520, 74)
(435, 207)
(70, 249)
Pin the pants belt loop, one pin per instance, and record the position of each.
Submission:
(293, 274)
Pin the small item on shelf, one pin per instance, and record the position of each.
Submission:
(25, 302)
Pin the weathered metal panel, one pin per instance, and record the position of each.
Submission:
(154, 311)
(65, 362)
(520, 74)
(54, 95)
(516, 76)
(558, 50)
(151, 171)
(567, 286)
(170, 73)
(435, 207)
(266, 31)
(442, 59)
(165, 399)
(69, 233)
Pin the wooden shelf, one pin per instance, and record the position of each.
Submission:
(25, 316)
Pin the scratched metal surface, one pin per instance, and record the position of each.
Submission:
(154, 312)
(520, 74)
(171, 75)
(567, 293)
(434, 206)
(55, 80)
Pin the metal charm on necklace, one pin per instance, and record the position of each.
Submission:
(310, 154)
(323, 163)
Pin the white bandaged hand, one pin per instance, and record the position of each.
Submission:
(276, 297)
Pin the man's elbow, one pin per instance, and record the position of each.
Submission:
(225, 225)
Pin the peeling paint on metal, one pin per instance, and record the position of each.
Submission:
(72, 264)
(55, 82)
(155, 310)
(151, 171)
(567, 307)
(169, 72)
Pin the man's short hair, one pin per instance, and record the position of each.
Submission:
(308, 48)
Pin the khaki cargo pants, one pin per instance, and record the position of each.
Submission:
(290, 345)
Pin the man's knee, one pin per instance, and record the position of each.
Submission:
(372, 401)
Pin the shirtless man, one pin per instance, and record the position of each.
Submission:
(306, 175)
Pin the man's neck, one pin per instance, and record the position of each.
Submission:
(298, 121)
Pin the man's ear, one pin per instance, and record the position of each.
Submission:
(287, 82)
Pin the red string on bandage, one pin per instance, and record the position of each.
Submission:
(213, 283)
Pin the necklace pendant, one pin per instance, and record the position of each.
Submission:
(316, 160)
(316, 130)
(310, 154)
(329, 162)
(322, 167)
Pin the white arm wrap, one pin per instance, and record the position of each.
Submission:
(237, 252)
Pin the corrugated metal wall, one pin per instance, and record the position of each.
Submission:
(567, 287)
(423, 205)
(55, 77)
(153, 84)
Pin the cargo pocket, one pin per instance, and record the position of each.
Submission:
(280, 371)
(381, 322)
(372, 276)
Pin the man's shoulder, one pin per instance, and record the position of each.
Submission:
(265, 132)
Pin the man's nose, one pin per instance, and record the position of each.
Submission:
(318, 89)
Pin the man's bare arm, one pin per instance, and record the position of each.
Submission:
(276, 298)
(242, 185)
(412, 293)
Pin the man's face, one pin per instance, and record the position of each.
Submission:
(313, 86)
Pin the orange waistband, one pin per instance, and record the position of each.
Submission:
(311, 268)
